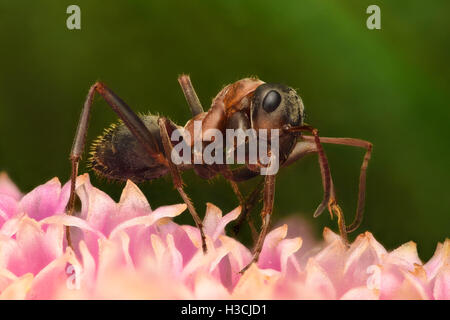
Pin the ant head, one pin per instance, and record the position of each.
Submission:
(275, 106)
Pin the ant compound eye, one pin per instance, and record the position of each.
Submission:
(271, 101)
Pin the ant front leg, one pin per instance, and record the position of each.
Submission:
(177, 180)
(362, 175)
(314, 145)
(266, 213)
(304, 148)
(309, 146)
(129, 118)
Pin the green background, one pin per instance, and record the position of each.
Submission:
(388, 86)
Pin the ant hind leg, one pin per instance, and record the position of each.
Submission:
(129, 118)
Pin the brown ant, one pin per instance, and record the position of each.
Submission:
(139, 147)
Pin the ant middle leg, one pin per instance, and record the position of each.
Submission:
(248, 204)
(178, 181)
(266, 213)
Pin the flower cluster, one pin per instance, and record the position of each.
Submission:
(126, 250)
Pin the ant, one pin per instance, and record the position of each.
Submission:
(139, 147)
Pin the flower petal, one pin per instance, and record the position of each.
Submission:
(441, 289)
(363, 253)
(8, 207)
(46, 200)
(18, 289)
(31, 250)
(440, 259)
(7, 187)
(97, 207)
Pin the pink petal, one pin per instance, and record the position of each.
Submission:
(89, 268)
(113, 255)
(329, 236)
(441, 289)
(269, 258)
(212, 218)
(299, 227)
(363, 253)
(8, 207)
(80, 231)
(46, 200)
(360, 293)
(140, 228)
(6, 278)
(440, 259)
(317, 284)
(7, 187)
(286, 250)
(10, 227)
(256, 284)
(55, 278)
(332, 259)
(208, 288)
(181, 239)
(160, 213)
(406, 256)
(133, 203)
(97, 207)
(172, 260)
(238, 257)
(32, 249)
(18, 288)
(220, 228)
(194, 235)
(214, 224)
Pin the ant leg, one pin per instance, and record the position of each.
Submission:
(190, 95)
(247, 207)
(246, 204)
(307, 146)
(328, 196)
(177, 180)
(302, 149)
(269, 193)
(242, 174)
(362, 175)
(130, 119)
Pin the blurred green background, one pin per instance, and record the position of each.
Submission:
(388, 86)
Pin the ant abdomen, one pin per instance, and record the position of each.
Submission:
(118, 155)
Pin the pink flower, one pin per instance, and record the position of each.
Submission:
(127, 250)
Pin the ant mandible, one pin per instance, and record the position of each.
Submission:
(139, 147)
